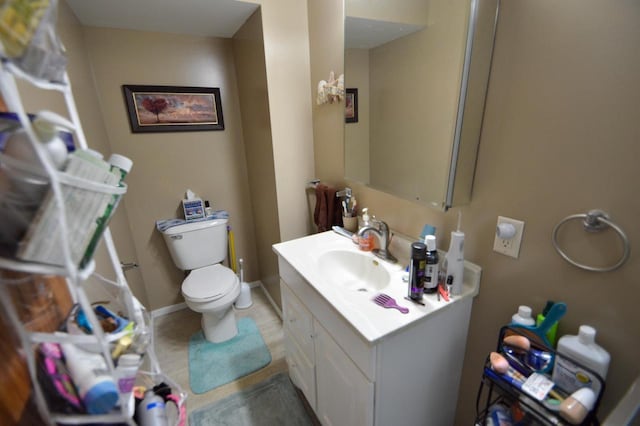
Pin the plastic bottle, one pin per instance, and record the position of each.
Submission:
(365, 241)
(583, 349)
(523, 316)
(120, 166)
(416, 270)
(125, 375)
(431, 269)
(151, 410)
(90, 374)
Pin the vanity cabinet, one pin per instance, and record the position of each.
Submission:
(408, 377)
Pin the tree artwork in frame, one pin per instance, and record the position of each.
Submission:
(173, 108)
(351, 107)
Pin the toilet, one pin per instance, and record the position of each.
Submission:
(210, 288)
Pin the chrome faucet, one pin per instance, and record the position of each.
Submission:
(381, 230)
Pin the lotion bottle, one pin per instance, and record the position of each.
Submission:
(583, 349)
(90, 374)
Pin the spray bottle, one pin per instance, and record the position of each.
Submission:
(454, 261)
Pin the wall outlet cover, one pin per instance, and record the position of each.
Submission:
(509, 246)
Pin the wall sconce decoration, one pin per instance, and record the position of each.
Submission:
(331, 91)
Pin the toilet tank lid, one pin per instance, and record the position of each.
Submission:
(193, 226)
(209, 283)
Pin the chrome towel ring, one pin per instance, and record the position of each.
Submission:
(594, 221)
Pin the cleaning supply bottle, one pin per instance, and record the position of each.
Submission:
(583, 349)
(431, 268)
(416, 270)
(523, 316)
(151, 410)
(365, 241)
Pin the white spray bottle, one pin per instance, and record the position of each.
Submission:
(454, 261)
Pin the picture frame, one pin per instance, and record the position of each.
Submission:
(173, 108)
(351, 106)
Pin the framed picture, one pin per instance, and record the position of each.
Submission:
(173, 108)
(351, 108)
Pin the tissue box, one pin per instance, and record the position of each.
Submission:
(193, 208)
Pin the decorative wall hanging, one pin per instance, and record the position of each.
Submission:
(173, 108)
(351, 106)
(331, 91)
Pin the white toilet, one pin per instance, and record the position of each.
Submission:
(210, 288)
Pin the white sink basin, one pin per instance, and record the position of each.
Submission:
(353, 270)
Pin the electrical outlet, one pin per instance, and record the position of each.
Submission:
(508, 236)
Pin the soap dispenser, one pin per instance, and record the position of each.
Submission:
(365, 241)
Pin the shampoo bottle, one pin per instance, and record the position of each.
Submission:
(583, 349)
(431, 268)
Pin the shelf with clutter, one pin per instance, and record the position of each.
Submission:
(87, 361)
(526, 382)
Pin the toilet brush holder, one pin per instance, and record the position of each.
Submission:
(244, 300)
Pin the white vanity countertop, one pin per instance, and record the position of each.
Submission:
(371, 320)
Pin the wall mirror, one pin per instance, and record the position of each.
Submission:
(421, 70)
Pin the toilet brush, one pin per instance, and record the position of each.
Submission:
(244, 300)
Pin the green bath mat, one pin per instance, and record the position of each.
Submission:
(272, 402)
(215, 364)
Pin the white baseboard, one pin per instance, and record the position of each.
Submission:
(165, 310)
(270, 299)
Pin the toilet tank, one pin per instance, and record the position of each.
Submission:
(197, 244)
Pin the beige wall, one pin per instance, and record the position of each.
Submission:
(286, 46)
(211, 163)
(409, 11)
(79, 70)
(415, 82)
(560, 136)
(356, 135)
(248, 53)
(121, 59)
(325, 30)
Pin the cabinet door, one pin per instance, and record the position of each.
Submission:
(344, 395)
(301, 370)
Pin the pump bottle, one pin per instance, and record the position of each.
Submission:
(365, 241)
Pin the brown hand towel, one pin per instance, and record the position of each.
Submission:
(328, 211)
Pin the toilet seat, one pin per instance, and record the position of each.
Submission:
(209, 283)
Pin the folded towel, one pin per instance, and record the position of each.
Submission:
(162, 225)
(328, 211)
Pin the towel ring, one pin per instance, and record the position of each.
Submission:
(594, 221)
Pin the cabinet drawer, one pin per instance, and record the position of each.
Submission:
(301, 370)
(298, 322)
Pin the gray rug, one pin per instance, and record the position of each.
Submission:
(272, 402)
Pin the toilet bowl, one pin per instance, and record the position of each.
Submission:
(210, 288)
(211, 291)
